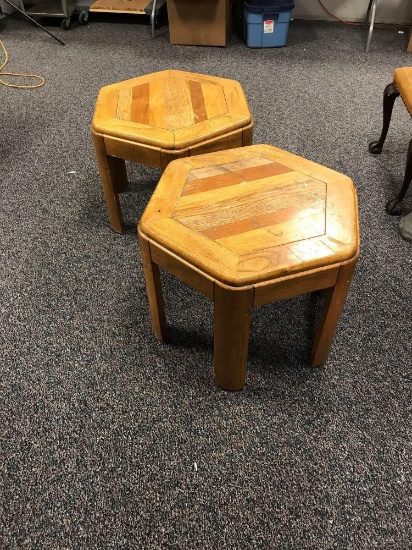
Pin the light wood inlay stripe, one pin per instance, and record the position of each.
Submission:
(177, 104)
(245, 163)
(198, 101)
(208, 171)
(304, 229)
(139, 108)
(124, 103)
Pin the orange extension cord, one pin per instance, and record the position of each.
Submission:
(42, 80)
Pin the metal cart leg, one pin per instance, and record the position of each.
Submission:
(153, 17)
(33, 21)
(370, 18)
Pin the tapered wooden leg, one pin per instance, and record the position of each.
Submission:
(389, 95)
(247, 135)
(154, 290)
(114, 179)
(395, 207)
(119, 175)
(334, 301)
(233, 309)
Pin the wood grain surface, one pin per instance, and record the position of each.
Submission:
(247, 227)
(157, 118)
(253, 214)
(171, 109)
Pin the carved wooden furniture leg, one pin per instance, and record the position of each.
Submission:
(233, 310)
(389, 95)
(394, 207)
(401, 85)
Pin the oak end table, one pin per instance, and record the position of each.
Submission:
(246, 227)
(159, 117)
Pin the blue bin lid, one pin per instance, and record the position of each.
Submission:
(268, 6)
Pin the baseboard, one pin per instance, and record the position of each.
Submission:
(306, 17)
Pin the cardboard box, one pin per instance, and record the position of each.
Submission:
(199, 22)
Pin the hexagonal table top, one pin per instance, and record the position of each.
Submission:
(171, 109)
(253, 214)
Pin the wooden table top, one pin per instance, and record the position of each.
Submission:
(253, 214)
(171, 109)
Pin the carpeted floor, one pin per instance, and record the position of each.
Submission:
(110, 439)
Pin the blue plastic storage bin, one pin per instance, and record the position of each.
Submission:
(266, 22)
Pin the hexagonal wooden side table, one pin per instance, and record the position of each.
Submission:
(247, 227)
(160, 117)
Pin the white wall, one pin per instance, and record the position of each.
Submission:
(388, 11)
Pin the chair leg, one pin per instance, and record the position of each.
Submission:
(154, 290)
(114, 179)
(334, 301)
(370, 18)
(233, 311)
(389, 95)
(394, 207)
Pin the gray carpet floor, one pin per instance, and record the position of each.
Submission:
(110, 439)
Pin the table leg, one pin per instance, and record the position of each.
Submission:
(114, 179)
(154, 290)
(119, 175)
(233, 310)
(334, 301)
